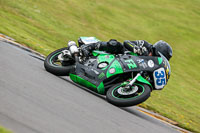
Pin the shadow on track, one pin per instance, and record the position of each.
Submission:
(130, 110)
(84, 88)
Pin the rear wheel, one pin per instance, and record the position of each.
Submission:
(55, 66)
(121, 97)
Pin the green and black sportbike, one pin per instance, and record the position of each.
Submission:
(126, 79)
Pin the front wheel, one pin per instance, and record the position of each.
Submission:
(121, 97)
(55, 66)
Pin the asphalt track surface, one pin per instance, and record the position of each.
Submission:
(35, 101)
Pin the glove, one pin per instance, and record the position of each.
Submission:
(145, 51)
(87, 49)
(137, 50)
(86, 53)
(140, 50)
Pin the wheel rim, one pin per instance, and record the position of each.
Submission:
(133, 93)
(54, 60)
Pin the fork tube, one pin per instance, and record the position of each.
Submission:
(133, 80)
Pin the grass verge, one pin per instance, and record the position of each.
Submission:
(3, 130)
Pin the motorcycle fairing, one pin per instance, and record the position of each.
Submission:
(139, 63)
(162, 74)
(89, 71)
(77, 79)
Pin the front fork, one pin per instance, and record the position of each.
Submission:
(128, 86)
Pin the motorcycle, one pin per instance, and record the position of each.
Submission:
(126, 79)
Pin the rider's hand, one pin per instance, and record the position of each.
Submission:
(85, 50)
(137, 50)
(145, 51)
(86, 53)
(140, 50)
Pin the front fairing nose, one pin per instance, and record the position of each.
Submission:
(167, 65)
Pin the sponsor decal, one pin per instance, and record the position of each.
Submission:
(167, 72)
(150, 63)
(131, 64)
(142, 63)
(102, 65)
(166, 69)
(107, 56)
(96, 72)
(112, 71)
(101, 75)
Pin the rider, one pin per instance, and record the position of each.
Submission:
(139, 47)
(142, 47)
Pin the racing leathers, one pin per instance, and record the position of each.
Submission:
(139, 47)
(112, 46)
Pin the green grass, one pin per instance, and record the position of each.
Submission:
(3, 130)
(46, 25)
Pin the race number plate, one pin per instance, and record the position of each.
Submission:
(159, 78)
(88, 40)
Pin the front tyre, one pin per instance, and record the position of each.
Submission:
(60, 68)
(138, 93)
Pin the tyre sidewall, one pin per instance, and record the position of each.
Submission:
(57, 70)
(131, 101)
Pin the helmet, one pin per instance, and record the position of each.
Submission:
(164, 48)
(114, 46)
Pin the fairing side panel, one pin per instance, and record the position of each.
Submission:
(139, 63)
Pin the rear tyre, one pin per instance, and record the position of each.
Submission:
(57, 67)
(136, 95)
